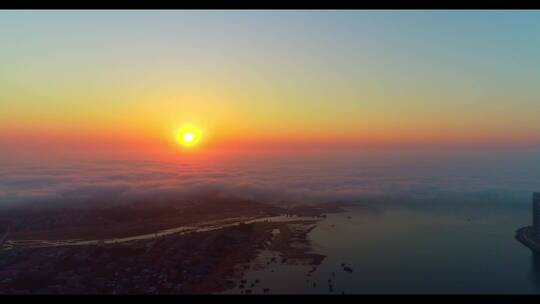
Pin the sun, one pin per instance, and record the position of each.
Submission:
(188, 136)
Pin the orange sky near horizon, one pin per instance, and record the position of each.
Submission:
(263, 80)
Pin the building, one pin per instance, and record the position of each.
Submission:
(536, 215)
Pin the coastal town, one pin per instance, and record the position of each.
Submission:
(210, 259)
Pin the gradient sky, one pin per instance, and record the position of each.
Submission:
(270, 78)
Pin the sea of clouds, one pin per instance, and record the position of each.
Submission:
(298, 179)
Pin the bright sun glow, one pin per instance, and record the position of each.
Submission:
(188, 136)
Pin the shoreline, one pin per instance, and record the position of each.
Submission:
(524, 236)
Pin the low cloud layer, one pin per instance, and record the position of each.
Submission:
(314, 180)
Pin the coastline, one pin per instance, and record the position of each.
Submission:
(524, 236)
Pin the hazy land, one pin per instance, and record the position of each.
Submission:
(45, 251)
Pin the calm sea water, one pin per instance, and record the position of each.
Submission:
(424, 222)
(396, 249)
